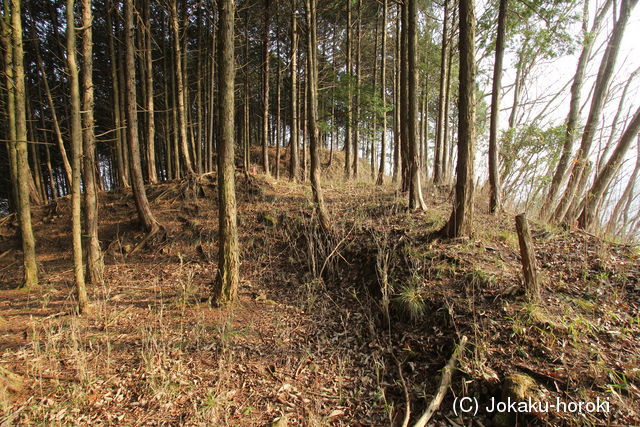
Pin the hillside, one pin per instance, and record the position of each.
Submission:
(311, 340)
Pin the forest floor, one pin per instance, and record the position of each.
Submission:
(318, 336)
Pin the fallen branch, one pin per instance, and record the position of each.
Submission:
(407, 398)
(445, 382)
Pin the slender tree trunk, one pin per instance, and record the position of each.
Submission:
(494, 176)
(347, 129)
(76, 143)
(228, 262)
(397, 161)
(12, 154)
(312, 99)
(383, 95)
(460, 223)
(594, 195)
(151, 123)
(574, 106)
(293, 128)
(23, 175)
(404, 101)
(440, 131)
(94, 253)
(122, 166)
(614, 219)
(247, 109)
(180, 87)
(265, 88)
(603, 79)
(278, 85)
(54, 116)
(356, 109)
(415, 189)
(147, 219)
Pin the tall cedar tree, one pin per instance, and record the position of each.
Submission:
(94, 253)
(147, 218)
(294, 138)
(76, 148)
(460, 222)
(494, 176)
(23, 175)
(312, 102)
(226, 289)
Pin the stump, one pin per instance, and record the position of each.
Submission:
(528, 256)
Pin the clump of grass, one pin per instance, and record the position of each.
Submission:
(411, 300)
(480, 278)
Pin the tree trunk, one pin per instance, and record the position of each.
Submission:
(397, 161)
(614, 220)
(312, 101)
(151, 124)
(122, 166)
(415, 189)
(293, 128)
(147, 219)
(574, 106)
(347, 129)
(383, 95)
(54, 116)
(356, 109)
(265, 89)
(76, 144)
(594, 195)
(180, 95)
(23, 175)
(605, 73)
(226, 289)
(494, 176)
(460, 223)
(94, 253)
(438, 160)
(12, 154)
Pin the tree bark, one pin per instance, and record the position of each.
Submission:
(76, 144)
(356, 109)
(383, 95)
(460, 222)
(122, 166)
(151, 123)
(494, 176)
(527, 254)
(312, 101)
(594, 195)
(226, 289)
(438, 160)
(265, 88)
(293, 141)
(415, 189)
(574, 107)
(147, 219)
(180, 95)
(347, 129)
(605, 73)
(23, 175)
(94, 253)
